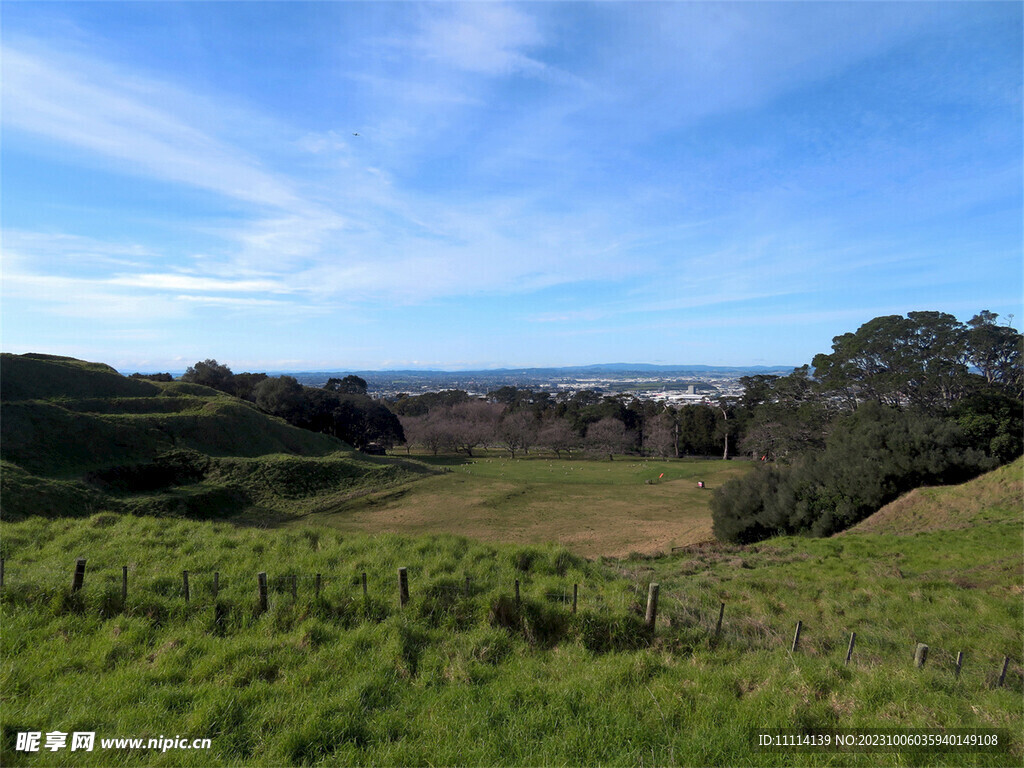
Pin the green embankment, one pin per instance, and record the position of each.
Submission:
(78, 438)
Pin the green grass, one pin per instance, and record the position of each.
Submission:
(452, 680)
(592, 507)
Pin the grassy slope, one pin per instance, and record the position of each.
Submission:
(951, 507)
(452, 680)
(66, 420)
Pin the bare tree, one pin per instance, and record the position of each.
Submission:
(473, 424)
(609, 435)
(660, 438)
(558, 435)
(518, 430)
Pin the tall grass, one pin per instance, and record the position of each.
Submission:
(481, 680)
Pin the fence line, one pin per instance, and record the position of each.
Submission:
(288, 583)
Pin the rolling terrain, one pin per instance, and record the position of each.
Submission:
(79, 438)
(464, 672)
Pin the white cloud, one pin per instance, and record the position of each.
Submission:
(179, 282)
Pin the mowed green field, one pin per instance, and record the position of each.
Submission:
(592, 507)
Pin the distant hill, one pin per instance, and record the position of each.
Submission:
(995, 496)
(76, 437)
(574, 370)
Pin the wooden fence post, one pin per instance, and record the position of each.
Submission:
(216, 583)
(403, 587)
(261, 583)
(796, 635)
(575, 594)
(652, 605)
(316, 585)
(849, 651)
(1002, 673)
(517, 593)
(920, 655)
(467, 586)
(124, 583)
(79, 578)
(184, 579)
(959, 663)
(718, 624)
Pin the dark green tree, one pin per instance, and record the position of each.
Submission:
(209, 373)
(350, 385)
(997, 351)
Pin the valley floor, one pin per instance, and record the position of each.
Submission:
(592, 507)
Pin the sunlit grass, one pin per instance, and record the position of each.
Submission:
(456, 680)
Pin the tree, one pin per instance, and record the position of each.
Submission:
(350, 385)
(871, 457)
(243, 385)
(517, 430)
(418, 405)
(609, 436)
(281, 396)
(917, 360)
(660, 436)
(997, 351)
(209, 373)
(473, 423)
(558, 435)
(697, 430)
(725, 406)
(783, 415)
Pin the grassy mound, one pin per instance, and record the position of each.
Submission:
(78, 437)
(995, 496)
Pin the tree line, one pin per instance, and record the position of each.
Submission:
(519, 420)
(899, 403)
(341, 407)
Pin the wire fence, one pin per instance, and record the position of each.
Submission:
(667, 616)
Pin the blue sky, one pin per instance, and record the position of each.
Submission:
(531, 184)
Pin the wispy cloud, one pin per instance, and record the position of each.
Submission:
(89, 105)
(486, 38)
(574, 166)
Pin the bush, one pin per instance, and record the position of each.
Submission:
(871, 457)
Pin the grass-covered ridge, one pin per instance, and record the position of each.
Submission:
(79, 438)
(996, 495)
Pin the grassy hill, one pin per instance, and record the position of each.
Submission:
(998, 495)
(77, 438)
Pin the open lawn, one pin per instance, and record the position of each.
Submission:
(592, 507)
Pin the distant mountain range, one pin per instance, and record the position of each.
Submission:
(577, 370)
(601, 369)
